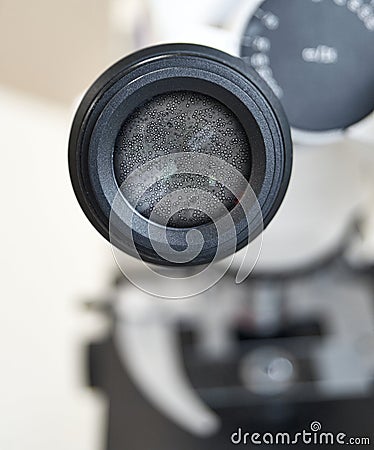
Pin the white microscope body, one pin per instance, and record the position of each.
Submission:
(331, 189)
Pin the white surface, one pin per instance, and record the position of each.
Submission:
(51, 259)
(152, 357)
(325, 195)
(146, 341)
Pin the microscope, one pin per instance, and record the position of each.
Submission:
(251, 303)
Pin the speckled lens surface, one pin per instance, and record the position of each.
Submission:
(173, 123)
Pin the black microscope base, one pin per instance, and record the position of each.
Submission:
(133, 424)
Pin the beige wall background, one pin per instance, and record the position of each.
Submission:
(52, 260)
(53, 48)
(51, 257)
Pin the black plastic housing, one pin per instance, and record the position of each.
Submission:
(169, 68)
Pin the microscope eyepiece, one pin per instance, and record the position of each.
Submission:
(171, 139)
